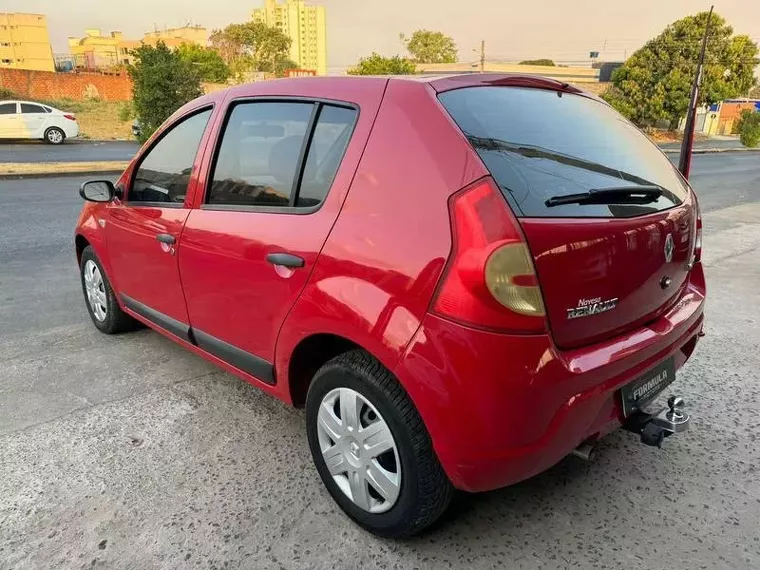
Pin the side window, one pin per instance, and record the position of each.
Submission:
(259, 154)
(29, 108)
(164, 173)
(8, 109)
(328, 145)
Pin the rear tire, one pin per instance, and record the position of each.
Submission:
(104, 309)
(55, 136)
(423, 492)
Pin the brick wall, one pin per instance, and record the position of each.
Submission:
(45, 85)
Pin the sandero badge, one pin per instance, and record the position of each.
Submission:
(588, 307)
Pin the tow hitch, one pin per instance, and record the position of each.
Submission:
(655, 427)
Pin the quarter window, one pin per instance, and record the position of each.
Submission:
(328, 145)
(164, 173)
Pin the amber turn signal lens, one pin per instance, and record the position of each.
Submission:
(504, 265)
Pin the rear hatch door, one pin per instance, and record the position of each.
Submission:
(608, 219)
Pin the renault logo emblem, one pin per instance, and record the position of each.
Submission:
(669, 248)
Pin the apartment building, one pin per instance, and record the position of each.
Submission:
(305, 25)
(98, 51)
(25, 42)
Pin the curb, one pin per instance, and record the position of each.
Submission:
(47, 169)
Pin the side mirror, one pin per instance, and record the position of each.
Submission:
(98, 191)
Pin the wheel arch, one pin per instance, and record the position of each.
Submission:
(308, 356)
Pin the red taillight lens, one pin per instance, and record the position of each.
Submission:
(698, 236)
(70, 117)
(489, 281)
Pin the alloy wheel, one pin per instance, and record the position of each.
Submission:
(55, 136)
(95, 289)
(359, 450)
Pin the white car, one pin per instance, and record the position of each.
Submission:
(27, 120)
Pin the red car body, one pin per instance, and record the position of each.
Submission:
(501, 399)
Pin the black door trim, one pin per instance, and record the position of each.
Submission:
(235, 356)
(239, 358)
(177, 328)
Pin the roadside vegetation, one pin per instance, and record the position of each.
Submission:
(749, 128)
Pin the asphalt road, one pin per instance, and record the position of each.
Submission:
(71, 151)
(128, 452)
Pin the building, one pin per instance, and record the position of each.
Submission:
(96, 51)
(568, 74)
(305, 25)
(174, 37)
(25, 42)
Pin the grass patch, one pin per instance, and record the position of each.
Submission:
(98, 120)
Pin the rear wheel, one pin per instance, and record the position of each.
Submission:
(54, 135)
(104, 309)
(371, 448)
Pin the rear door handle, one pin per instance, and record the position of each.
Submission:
(285, 259)
(166, 238)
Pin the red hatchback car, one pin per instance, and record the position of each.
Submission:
(462, 279)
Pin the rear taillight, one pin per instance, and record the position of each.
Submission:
(698, 236)
(70, 117)
(489, 281)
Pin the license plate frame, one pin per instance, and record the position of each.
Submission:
(646, 387)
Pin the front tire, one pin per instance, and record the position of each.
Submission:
(55, 136)
(104, 309)
(372, 449)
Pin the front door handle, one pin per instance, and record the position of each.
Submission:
(168, 239)
(286, 260)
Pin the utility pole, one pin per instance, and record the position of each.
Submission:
(482, 56)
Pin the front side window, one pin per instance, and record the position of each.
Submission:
(8, 109)
(164, 173)
(29, 108)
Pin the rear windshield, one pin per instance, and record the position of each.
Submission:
(539, 145)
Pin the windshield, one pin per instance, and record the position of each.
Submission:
(540, 144)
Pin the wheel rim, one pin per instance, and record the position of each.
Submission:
(95, 289)
(359, 450)
(55, 136)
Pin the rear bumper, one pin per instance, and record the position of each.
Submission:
(502, 408)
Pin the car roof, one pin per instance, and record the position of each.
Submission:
(313, 86)
(4, 101)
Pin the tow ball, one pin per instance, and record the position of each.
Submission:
(654, 427)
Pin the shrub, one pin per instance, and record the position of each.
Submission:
(749, 128)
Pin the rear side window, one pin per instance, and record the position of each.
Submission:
(259, 154)
(280, 154)
(29, 108)
(540, 145)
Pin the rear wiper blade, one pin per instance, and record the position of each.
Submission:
(639, 194)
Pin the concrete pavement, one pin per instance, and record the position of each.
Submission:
(129, 452)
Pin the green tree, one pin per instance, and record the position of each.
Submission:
(252, 46)
(545, 62)
(749, 128)
(426, 46)
(207, 61)
(376, 64)
(162, 83)
(655, 83)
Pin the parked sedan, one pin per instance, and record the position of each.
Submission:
(462, 279)
(28, 120)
